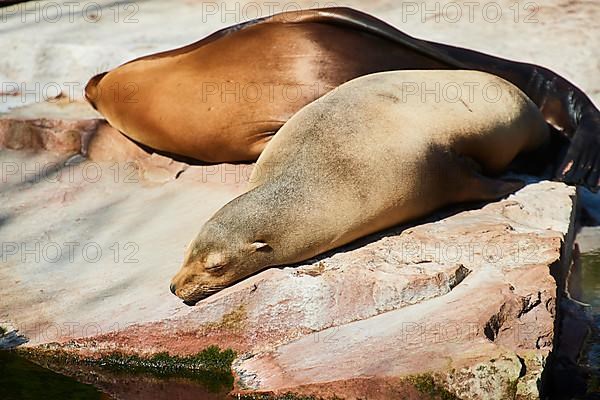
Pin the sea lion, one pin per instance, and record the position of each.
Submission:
(223, 97)
(366, 156)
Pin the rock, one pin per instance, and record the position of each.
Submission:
(59, 136)
(474, 338)
(445, 302)
(461, 305)
(495, 379)
(10, 337)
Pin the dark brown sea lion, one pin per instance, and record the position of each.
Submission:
(223, 97)
(362, 159)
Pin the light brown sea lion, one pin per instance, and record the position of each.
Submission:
(223, 97)
(369, 155)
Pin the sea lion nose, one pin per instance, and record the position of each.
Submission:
(172, 287)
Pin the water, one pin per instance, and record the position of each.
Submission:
(21, 379)
(590, 263)
(24, 380)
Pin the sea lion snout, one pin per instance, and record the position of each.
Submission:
(191, 287)
(207, 269)
(194, 278)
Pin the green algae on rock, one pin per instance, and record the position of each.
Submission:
(211, 359)
(285, 396)
(210, 367)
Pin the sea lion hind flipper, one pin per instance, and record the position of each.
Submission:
(581, 163)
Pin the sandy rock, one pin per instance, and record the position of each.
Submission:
(60, 136)
(439, 301)
(72, 45)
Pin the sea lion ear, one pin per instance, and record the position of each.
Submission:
(260, 246)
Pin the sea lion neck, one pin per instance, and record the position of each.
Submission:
(242, 218)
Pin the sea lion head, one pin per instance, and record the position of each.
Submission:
(215, 259)
(92, 90)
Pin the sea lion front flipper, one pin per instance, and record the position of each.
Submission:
(499, 188)
(478, 187)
